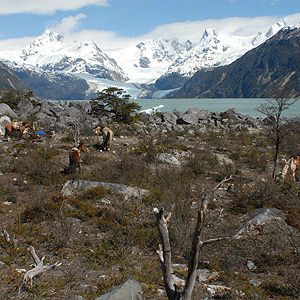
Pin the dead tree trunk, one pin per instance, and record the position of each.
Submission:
(76, 133)
(164, 251)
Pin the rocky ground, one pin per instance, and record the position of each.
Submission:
(99, 225)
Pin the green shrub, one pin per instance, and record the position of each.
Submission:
(94, 193)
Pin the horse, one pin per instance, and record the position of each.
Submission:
(292, 164)
(107, 135)
(17, 126)
(74, 157)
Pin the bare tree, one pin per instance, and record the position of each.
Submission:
(164, 252)
(278, 125)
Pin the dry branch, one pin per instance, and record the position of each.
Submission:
(39, 267)
(7, 237)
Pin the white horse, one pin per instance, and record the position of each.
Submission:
(291, 164)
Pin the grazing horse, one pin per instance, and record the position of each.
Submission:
(107, 135)
(74, 157)
(17, 126)
(292, 164)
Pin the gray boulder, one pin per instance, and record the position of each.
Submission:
(251, 122)
(188, 119)
(144, 117)
(193, 110)
(235, 116)
(71, 112)
(5, 110)
(204, 114)
(261, 217)
(74, 187)
(169, 118)
(177, 128)
(168, 158)
(26, 108)
(128, 290)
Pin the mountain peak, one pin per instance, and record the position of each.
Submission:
(209, 32)
(281, 23)
(48, 37)
(48, 41)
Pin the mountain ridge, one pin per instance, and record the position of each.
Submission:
(273, 65)
(10, 81)
(153, 67)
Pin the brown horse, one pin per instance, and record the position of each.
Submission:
(107, 135)
(74, 157)
(17, 126)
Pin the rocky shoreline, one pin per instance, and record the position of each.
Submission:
(51, 116)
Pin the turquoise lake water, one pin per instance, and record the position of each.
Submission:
(243, 106)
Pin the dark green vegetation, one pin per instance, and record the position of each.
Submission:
(115, 101)
(256, 74)
(100, 238)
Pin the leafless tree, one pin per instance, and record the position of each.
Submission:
(278, 125)
(164, 251)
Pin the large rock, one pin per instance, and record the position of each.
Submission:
(74, 187)
(169, 118)
(193, 110)
(261, 217)
(188, 119)
(71, 111)
(5, 110)
(204, 114)
(128, 290)
(168, 158)
(26, 108)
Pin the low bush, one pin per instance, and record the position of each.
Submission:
(248, 197)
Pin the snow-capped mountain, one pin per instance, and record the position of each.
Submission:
(268, 68)
(150, 59)
(49, 53)
(218, 49)
(139, 67)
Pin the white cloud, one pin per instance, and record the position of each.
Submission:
(111, 42)
(67, 25)
(293, 19)
(45, 7)
(194, 30)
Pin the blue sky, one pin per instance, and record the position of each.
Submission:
(125, 20)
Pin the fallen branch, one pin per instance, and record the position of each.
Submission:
(39, 267)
